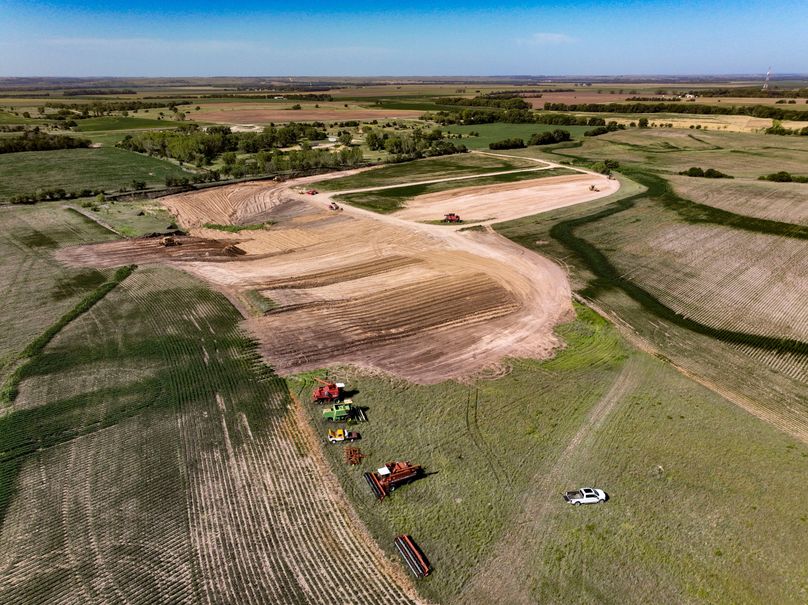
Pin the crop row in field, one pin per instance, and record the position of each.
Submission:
(159, 461)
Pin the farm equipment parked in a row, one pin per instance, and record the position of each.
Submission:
(342, 436)
(392, 475)
(344, 412)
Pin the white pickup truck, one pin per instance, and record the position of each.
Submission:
(586, 495)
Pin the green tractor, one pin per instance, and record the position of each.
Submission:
(339, 412)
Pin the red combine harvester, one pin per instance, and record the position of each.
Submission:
(327, 392)
(452, 218)
(391, 475)
(413, 556)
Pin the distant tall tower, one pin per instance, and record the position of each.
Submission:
(766, 82)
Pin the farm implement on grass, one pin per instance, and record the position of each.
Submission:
(413, 556)
(452, 218)
(344, 412)
(353, 455)
(392, 475)
(327, 392)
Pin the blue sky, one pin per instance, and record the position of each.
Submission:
(151, 38)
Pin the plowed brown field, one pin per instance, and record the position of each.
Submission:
(425, 302)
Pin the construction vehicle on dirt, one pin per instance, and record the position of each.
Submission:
(593, 188)
(312, 192)
(342, 436)
(327, 392)
(334, 206)
(392, 475)
(452, 218)
(168, 241)
(413, 556)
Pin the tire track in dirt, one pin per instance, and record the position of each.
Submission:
(507, 563)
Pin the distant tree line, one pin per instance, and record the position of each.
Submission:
(102, 108)
(756, 111)
(498, 102)
(40, 141)
(50, 195)
(263, 97)
(79, 92)
(752, 91)
(549, 138)
(513, 143)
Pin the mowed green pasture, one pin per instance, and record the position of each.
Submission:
(702, 500)
(490, 133)
(390, 200)
(122, 123)
(423, 170)
(37, 289)
(76, 169)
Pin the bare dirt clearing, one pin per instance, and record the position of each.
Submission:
(509, 200)
(424, 302)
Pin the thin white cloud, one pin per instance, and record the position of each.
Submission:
(547, 39)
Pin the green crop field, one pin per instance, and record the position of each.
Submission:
(122, 123)
(150, 455)
(693, 503)
(76, 169)
(390, 200)
(490, 133)
(426, 169)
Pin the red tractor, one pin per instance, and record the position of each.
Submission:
(452, 218)
(312, 192)
(327, 392)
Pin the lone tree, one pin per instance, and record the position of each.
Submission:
(642, 122)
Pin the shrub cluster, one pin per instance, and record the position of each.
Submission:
(610, 127)
(549, 138)
(514, 143)
(419, 144)
(783, 177)
(51, 195)
(710, 173)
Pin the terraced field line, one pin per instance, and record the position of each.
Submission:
(507, 563)
(449, 179)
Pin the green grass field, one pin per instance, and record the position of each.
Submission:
(76, 169)
(37, 290)
(122, 123)
(490, 133)
(134, 218)
(424, 170)
(693, 504)
(390, 200)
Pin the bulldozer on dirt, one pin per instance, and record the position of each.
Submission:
(335, 206)
(392, 475)
(593, 188)
(168, 241)
(452, 218)
(327, 392)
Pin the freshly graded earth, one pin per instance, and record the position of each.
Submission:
(424, 302)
